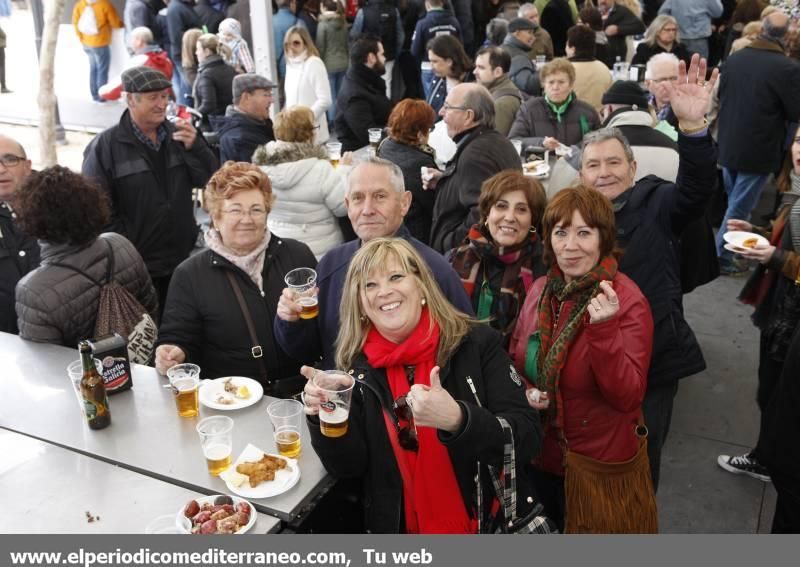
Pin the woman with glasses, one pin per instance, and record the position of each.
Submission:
(406, 145)
(309, 192)
(451, 66)
(204, 321)
(432, 383)
(661, 37)
(307, 79)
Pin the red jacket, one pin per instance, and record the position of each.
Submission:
(156, 59)
(603, 382)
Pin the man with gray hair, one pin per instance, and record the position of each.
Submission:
(543, 43)
(246, 124)
(758, 96)
(481, 151)
(147, 53)
(376, 202)
(660, 76)
(651, 214)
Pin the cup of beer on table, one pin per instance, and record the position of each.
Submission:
(303, 281)
(216, 439)
(336, 392)
(375, 135)
(75, 373)
(334, 152)
(286, 417)
(185, 382)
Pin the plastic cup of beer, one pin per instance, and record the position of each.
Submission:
(375, 135)
(334, 152)
(540, 61)
(185, 382)
(75, 373)
(303, 281)
(286, 417)
(337, 391)
(216, 439)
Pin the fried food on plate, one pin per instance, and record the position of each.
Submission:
(262, 470)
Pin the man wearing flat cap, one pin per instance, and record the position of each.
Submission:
(148, 167)
(246, 124)
(518, 42)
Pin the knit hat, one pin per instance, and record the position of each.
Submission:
(144, 80)
(230, 26)
(629, 93)
(520, 24)
(249, 82)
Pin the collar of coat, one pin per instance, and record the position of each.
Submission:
(277, 152)
(766, 45)
(362, 74)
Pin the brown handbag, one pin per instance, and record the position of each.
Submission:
(610, 498)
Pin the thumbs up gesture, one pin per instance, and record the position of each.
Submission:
(433, 406)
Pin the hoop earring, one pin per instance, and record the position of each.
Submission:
(532, 230)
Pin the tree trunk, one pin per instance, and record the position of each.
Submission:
(53, 12)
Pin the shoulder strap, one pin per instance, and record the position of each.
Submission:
(256, 349)
(110, 264)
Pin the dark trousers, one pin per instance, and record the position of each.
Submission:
(787, 508)
(657, 410)
(769, 372)
(2, 67)
(161, 283)
(549, 489)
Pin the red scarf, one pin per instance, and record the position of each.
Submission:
(433, 502)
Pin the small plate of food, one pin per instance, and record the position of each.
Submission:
(217, 514)
(536, 168)
(256, 474)
(230, 393)
(742, 240)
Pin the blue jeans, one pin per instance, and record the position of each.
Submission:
(698, 45)
(743, 190)
(99, 60)
(335, 80)
(427, 77)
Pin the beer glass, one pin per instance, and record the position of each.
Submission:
(374, 139)
(185, 382)
(303, 281)
(337, 391)
(75, 373)
(286, 417)
(216, 439)
(334, 152)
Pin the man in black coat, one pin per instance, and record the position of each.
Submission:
(180, 17)
(19, 253)
(148, 167)
(481, 151)
(362, 103)
(246, 124)
(618, 23)
(651, 213)
(758, 96)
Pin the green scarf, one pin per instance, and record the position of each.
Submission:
(559, 109)
(548, 347)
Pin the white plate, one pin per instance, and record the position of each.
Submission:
(732, 248)
(210, 389)
(284, 478)
(737, 238)
(186, 523)
(542, 170)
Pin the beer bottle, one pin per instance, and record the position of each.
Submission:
(93, 391)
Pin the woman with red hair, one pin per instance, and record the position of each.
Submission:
(407, 146)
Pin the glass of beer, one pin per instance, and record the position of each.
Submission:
(75, 373)
(216, 439)
(334, 152)
(185, 382)
(303, 281)
(287, 417)
(337, 391)
(375, 135)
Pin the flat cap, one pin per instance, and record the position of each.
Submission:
(144, 80)
(520, 24)
(629, 93)
(248, 82)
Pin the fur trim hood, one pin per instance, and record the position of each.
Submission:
(274, 153)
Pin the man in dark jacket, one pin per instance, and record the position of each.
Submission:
(148, 167)
(19, 253)
(481, 151)
(618, 23)
(180, 17)
(209, 16)
(376, 203)
(362, 103)
(758, 96)
(650, 215)
(518, 44)
(246, 124)
(381, 19)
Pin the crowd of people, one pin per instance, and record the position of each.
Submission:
(494, 317)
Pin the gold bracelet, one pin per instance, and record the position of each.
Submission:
(695, 130)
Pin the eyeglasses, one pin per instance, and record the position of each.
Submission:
(664, 80)
(407, 435)
(10, 160)
(447, 107)
(254, 214)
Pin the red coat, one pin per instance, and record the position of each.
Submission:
(157, 60)
(603, 382)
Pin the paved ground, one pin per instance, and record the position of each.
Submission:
(715, 411)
